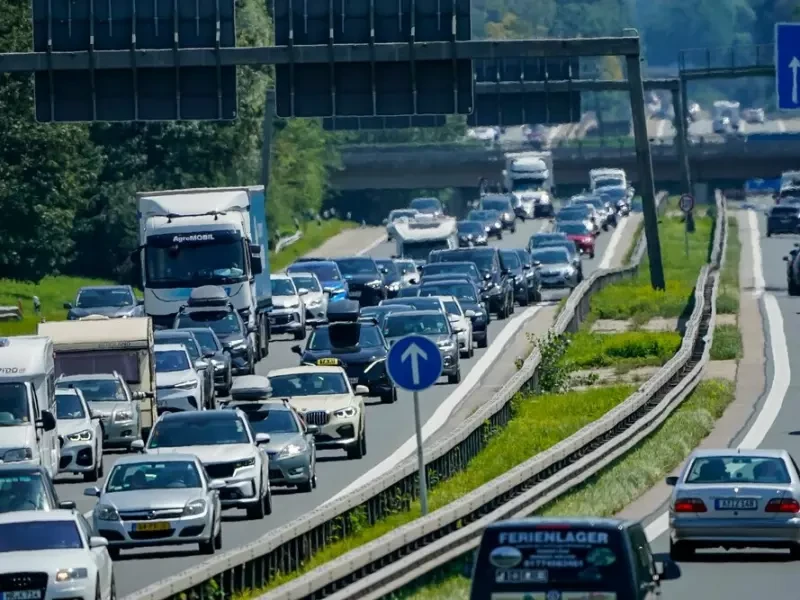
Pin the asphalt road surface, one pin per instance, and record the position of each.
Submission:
(388, 426)
(704, 128)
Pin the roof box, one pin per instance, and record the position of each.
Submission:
(343, 311)
(208, 295)
(251, 387)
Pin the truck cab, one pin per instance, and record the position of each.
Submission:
(27, 403)
(527, 175)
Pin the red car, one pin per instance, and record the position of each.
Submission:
(583, 237)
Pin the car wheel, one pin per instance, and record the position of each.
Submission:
(92, 475)
(591, 254)
(484, 343)
(389, 398)
(514, 229)
(112, 594)
(680, 551)
(769, 233)
(358, 450)
(499, 235)
(455, 377)
(101, 470)
(794, 289)
(113, 553)
(258, 511)
(306, 486)
(208, 547)
(525, 300)
(471, 348)
(97, 594)
(218, 539)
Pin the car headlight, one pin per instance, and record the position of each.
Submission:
(81, 436)
(106, 513)
(237, 345)
(314, 303)
(219, 366)
(291, 304)
(488, 229)
(375, 284)
(186, 385)
(63, 575)
(498, 224)
(123, 415)
(292, 450)
(17, 455)
(507, 216)
(195, 507)
(248, 462)
(345, 413)
(447, 345)
(394, 286)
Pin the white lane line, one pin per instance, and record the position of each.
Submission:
(662, 125)
(781, 375)
(781, 125)
(372, 246)
(613, 242)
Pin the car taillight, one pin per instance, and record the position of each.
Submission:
(782, 505)
(689, 505)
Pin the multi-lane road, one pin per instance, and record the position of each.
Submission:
(662, 128)
(388, 428)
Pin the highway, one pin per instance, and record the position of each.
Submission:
(661, 128)
(388, 427)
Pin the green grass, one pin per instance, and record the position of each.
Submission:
(625, 350)
(728, 296)
(54, 291)
(540, 421)
(622, 482)
(727, 343)
(635, 299)
(626, 260)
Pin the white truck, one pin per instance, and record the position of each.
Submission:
(416, 238)
(199, 237)
(725, 114)
(529, 176)
(607, 177)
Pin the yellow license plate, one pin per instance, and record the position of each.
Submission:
(328, 362)
(160, 526)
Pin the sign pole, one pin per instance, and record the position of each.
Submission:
(423, 477)
(686, 236)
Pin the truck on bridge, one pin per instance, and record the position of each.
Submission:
(200, 237)
(417, 237)
(529, 176)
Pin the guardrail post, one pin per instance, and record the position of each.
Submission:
(680, 137)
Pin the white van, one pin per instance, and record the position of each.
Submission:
(27, 402)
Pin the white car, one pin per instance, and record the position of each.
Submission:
(721, 125)
(288, 314)
(178, 385)
(56, 555)
(400, 215)
(461, 323)
(754, 115)
(229, 450)
(486, 134)
(81, 435)
(314, 297)
(324, 397)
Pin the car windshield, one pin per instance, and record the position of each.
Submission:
(188, 343)
(13, 405)
(199, 430)
(419, 250)
(576, 212)
(608, 182)
(308, 384)
(194, 262)
(97, 390)
(222, 322)
(738, 469)
(22, 491)
(450, 269)
(171, 361)
(483, 215)
(510, 259)
(99, 298)
(400, 214)
(463, 291)
(785, 210)
(357, 266)
(596, 202)
(406, 266)
(613, 193)
(324, 271)
(551, 256)
(574, 228)
(542, 239)
(270, 421)
(282, 287)
(474, 227)
(452, 308)
(207, 340)
(321, 340)
(154, 475)
(483, 260)
(495, 204)
(426, 204)
(399, 325)
(305, 282)
(33, 536)
(391, 268)
(567, 245)
(68, 406)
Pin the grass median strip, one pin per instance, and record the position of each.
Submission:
(622, 482)
(727, 344)
(314, 235)
(539, 422)
(626, 350)
(728, 295)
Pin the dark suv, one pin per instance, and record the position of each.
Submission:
(793, 271)
(784, 218)
(365, 281)
(497, 288)
(503, 204)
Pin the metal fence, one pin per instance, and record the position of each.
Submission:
(287, 548)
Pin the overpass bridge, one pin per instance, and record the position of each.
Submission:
(461, 165)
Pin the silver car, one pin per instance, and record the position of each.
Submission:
(204, 368)
(178, 386)
(434, 325)
(556, 268)
(735, 499)
(164, 500)
(314, 297)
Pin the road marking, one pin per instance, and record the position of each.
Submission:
(781, 372)
(613, 242)
(372, 246)
(781, 125)
(662, 125)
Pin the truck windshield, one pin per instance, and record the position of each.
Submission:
(191, 264)
(421, 250)
(527, 184)
(608, 182)
(14, 404)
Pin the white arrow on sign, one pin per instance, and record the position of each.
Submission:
(794, 65)
(414, 353)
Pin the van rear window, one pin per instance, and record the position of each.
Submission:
(551, 558)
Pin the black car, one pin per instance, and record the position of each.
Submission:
(793, 271)
(469, 296)
(529, 281)
(497, 287)
(619, 197)
(28, 487)
(391, 276)
(356, 345)
(378, 313)
(783, 218)
(471, 233)
(571, 248)
(450, 269)
(490, 219)
(112, 301)
(213, 349)
(503, 204)
(365, 282)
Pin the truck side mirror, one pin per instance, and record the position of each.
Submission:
(136, 258)
(48, 421)
(256, 262)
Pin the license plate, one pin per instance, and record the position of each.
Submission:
(21, 595)
(328, 362)
(354, 380)
(159, 526)
(736, 504)
(356, 294)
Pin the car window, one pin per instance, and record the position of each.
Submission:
(205, 430)
(97, 390)
(551, 257)
(643, 556)
(369, 337)
(308, 384)
(306, 283)
(357, 266)
(31, 536)
(401, 325)
(324, 271)
(207, 340)
(282, 287)
(222, 322)
(22, 491)
(511, 259)
(69, 406)
(270, 421)
(153, 475)
(738, 469)
(462, 291)
(186, 342)
(14, 404)
(100, 298)
(171, 361)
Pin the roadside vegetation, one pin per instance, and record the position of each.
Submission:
(727, 344)
(627, 350)
(728, 296)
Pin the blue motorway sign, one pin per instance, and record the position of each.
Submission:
(414, 363)
(787, 65)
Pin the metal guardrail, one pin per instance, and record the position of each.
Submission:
(285, 549)
(10, 313)
(288, 241)
(409, 552)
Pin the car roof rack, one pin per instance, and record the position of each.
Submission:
(343, 311)
(208, 295)
(251, 387)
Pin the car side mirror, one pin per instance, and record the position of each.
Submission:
(67, 505)
(256, 262)
(487, 277)
(262, 438)
(458, 330)
(385, 221)
(200, 365)
(216, 484)
(302, 292)
(537, 263)
(47, 422)
(505, 272)
(384, 270)
(93, 492)
(312, 429)
(95, 417)
(526, 267)
(137, 446)
(209, 354)
(140, 302)
(297, 350)
(394, 257)
(667, 570)
(362, 390)
(786, 258)
(138, 395)
(97, 542)
(671, 481)
(68, 305)
(419, 268)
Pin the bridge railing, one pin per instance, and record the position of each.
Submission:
(728, 57)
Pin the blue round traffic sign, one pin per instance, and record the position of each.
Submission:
(414, 363)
